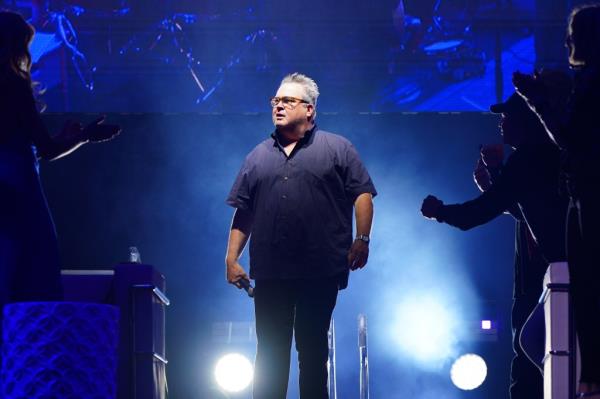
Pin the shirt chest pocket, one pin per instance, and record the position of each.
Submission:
(322, 171)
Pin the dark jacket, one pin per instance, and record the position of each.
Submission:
(530, 179)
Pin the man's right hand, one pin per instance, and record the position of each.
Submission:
(492, 155)
(431, 206)
(235, 273)
(481, 176)
(529, 87)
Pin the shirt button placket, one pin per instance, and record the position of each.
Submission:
(285, 177)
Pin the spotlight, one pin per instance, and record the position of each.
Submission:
(234, 372)
(486, 324)
(426, 329)
(468, 372)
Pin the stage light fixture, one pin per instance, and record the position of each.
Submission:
(234, 372)
(468, 372)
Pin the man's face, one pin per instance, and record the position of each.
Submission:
(290, 110)
(573, 44)
(574, 56)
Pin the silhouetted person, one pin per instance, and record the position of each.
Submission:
(577, 132)
(529, 269)
(294, 198)
(528, 180)
(29, 261)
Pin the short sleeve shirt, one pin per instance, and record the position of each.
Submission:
(301, 205)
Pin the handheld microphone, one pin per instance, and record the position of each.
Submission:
(247, 286)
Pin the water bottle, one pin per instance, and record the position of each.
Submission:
(134, 255)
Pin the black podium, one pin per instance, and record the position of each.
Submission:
(139, 292)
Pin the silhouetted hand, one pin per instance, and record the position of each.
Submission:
(235, 273)
(431, 206)
(481, 176)
(529, 87)
(358, 254)
(71, 130)
(492, 155)
(97, 131)
(557, 88)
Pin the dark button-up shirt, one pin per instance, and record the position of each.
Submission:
(301, 205)
(530, 178)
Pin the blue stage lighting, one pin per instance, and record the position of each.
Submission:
(427, 330)
(468, 372)
(234, 372)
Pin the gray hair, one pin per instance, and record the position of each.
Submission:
(310, 87)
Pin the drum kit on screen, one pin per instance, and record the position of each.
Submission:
(440, 34)
(164, 35)
(57, 39)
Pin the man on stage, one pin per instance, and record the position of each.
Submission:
(294, 197)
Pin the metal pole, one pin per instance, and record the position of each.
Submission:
(331, 382)
(364, 358)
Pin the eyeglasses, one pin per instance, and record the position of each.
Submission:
(287, 102)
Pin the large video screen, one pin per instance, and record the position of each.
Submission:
(229, 57)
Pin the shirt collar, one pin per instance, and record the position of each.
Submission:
(307, 139)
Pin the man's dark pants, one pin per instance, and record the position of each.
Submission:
(282, 308)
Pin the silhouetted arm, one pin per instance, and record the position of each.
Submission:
(49, 148)
(472, 213)
(72, 136)
(502, 195)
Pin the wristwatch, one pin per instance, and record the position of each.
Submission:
(364, 238)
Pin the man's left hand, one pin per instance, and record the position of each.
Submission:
(492, 155)
(529, 87)
(358, 255)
